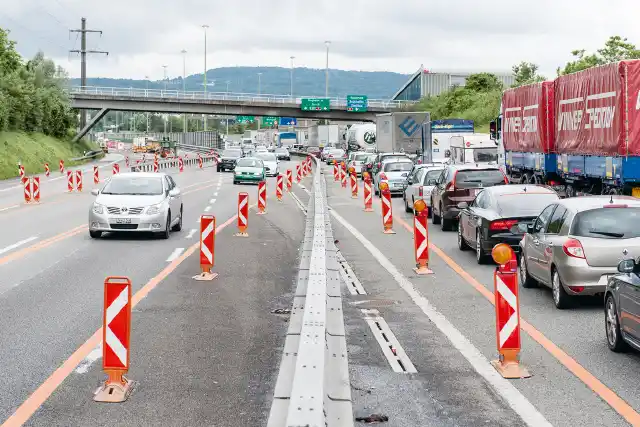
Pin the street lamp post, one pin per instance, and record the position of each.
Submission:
(204, 116)
(259, 93)
(326, 71)
(147, 79)
(165, 88)
(291, 89)
(184, 85)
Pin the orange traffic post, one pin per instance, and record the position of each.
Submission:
(336, 172)
(96, 176)
(79, 180)
(505, 280)
(70, 176)
(279, 187)
(61, 165)
(243, 215)
(421, 238)
(207, 247)
(354, 183)
(116, 334)
(343, 175)
(21, 172)
(47, 171)
(289, 180)
(181, 164)
(368, 199)
(298, 172)
(26, 182)
(156, 166)
(387, 214)
(262, 198)
(116, 169)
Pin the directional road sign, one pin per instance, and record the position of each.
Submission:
(357, 103)
(269, 121)
(315, 104)
(245, 119)
(288, 121)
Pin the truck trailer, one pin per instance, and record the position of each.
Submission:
(579, 133)
(400, 132)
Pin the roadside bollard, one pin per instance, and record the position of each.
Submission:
(387, 215)
(279, 187)
(47, 171)
(61, 166)
(262, 198)
(421, 238)
(156, 166)
(368, 200)
(207, 247)
(199, 162)
(35, 188)
(303, 168)
(96, 177)
(289, 180)
(21, 171)
(70, 185)
(298, 174)
(336, 172)
(343, 175)
(116, 333)
(116, 169)
(243, 215)
(181, 164)
(354, 183)
(507, 304)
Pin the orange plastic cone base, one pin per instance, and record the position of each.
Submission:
(114, 392)
(422, 270)
(368, 209)
(509, 367)
(245, 234)
(206, 275)
(389, 231)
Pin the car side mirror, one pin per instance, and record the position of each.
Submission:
(95, 192)
(626, 266)
(463, 205)
(530, 228)
(174, 192)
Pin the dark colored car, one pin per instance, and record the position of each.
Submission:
(495, 214)
(228, 159)
(622, 307)
(367, 165)
(314, 151)
(380, 157)
(460, 183)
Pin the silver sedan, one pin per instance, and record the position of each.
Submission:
(135, 202)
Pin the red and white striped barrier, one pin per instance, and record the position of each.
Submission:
(207, 247)
(343, 175)
(116, 169)
(354, 183)
(289, 180)
(262, 198)
(421, 238)
(336, 172)
(74, 180)
(61, 166)
(116, 333)
(387, 214)
(243, 214)
(181, 164)
(507, 305)
(200, 162)
(78, 180)
(21, 171)
(298, 172)
(368, 199)
(47, 171)
(31, 189)
(279, 187)
(156, 166)
(96, 175)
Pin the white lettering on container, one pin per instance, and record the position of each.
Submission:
(512, 124)
(570, 120)
(530, 124)
(600, 117)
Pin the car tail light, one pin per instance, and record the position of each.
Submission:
(369, 165)
(506, 180)
(452, 184)
(420, 192)
(577, 289)
(502, 224)
(383, 176)
(573, 248)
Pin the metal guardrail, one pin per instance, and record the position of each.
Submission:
(196, 148)
(221, 96)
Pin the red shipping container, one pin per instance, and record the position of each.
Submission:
(592, 108)
(527, 118)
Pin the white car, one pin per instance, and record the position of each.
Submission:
(356, 161)
(394, 172)
(420, 186)
(271, 163)
(261, 149)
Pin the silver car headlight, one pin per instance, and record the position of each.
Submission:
(154, 210)
(98, 209)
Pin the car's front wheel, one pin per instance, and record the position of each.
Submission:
(167, 228)
(178, 226)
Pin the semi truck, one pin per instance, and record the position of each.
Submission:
(361, 136)
(287, 139)
(579, 133)
(400, 132)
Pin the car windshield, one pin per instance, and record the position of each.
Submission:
(249, 163)
(398, 167)
(135, 185)
(485, 155)
(361, 157)
(232, 153)
(529, 203)
(432, 174)
(607, 223)
(478, 178)
(392, 158)
(267, 157)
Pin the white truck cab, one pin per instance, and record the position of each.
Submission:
(473, 148)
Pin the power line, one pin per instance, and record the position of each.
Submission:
(38, 34)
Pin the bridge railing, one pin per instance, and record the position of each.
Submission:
(221, 96)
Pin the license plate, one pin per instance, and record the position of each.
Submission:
(123, 220)
(635, 192)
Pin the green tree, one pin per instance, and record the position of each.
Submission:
(615, 49)
(10, 60)
(526, 73)
(483, 82)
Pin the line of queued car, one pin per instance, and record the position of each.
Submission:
(252, 165)
(579, 246)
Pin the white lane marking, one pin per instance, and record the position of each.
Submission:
(86, 363)
(215, 194)
(207, 209)
(529, 414)
(388, 342)
(212, 201)
(17, 244)
(175, 254)
(191, 233)
(298, 202)
(9, 207)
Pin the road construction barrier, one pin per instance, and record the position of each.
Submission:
(116, 333)
(181, 164)
(74, 180)
(289, 180)
(354, 183)
(21, 171)
(336, 172)
(421, 238)
(343, 175)
(279, 187)
(505, 281)
(243, 214)
(31, 189)
(156, 165)
(96, 176)
(200, 162)
(298, 178)
(207, 247)
(61, 166)
(387, 214)
(262, 197)
(368, 199)
(116, 168)
(47, 171)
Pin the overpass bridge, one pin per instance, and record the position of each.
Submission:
(106, 99)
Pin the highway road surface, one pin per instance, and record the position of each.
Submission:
(208, 353)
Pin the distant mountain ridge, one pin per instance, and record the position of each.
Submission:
(274, 81)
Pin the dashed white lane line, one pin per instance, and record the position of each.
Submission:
(516, 400)
(175, 254)
(215, 194)
(9, 207)
(17, 244)
(86, 363)
(207, 209)
(212, 201)
(191, 233)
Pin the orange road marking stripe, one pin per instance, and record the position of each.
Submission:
(609, 396)
(41, 244)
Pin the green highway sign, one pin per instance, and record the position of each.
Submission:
(269, 121)
(357, 103)
(315, 104)
(245, 119)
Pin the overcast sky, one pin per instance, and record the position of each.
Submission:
(486, 35)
